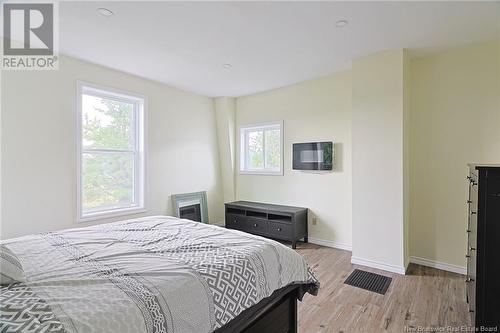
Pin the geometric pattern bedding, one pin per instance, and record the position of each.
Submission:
(23, 311)
(155, 274)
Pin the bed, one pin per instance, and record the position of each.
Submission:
(154, 274)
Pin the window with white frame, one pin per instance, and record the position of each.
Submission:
(261, 149)
(110, 152)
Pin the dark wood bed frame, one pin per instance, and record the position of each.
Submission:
(275, 314)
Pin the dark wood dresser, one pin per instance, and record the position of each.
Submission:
(483, 251)
(273, 221)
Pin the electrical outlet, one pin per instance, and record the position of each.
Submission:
(314, 220)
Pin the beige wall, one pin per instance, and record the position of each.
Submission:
(225, 113)
(421, 120)
(317, 110)
(454, 102)
(378, 161)
(455, 120)
(38, 146)
(1, 112)
(406, 155)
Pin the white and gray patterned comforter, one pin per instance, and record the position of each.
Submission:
(154, 274)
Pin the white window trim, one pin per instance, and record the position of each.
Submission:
(242, 154)
(140, 176)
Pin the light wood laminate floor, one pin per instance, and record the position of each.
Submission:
(425, 297)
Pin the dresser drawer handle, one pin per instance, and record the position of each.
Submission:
(472, 248)
(469, 201)
(467, 256)
(469, 280)
(467, 230)
(235, 221)
(473, 212)
(279, 229)
(255, 225)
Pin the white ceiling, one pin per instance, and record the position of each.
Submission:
(269, 44)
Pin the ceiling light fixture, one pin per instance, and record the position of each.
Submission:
(227, 66)
(105, 12)
(341, 23)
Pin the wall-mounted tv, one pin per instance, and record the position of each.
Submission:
(313, 156)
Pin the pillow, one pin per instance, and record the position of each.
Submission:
(10, 268)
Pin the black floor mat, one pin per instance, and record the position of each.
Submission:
(369, 281)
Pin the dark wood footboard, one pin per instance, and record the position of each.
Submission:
(282, 317)
(275, 314)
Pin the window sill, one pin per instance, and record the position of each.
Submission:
(110, 213)
(261, 173)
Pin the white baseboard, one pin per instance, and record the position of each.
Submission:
(329, 243)
(378, 265)
(439, 265)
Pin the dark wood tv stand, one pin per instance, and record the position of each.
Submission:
(273, 221)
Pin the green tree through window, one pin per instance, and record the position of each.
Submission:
(261, 149)
(109, 153)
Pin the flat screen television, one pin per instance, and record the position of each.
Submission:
(313, 156)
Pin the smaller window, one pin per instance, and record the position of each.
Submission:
(261, 149)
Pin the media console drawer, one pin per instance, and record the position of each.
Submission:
(279, 230)
(273, 221)
(235, 221)
(256, 225)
